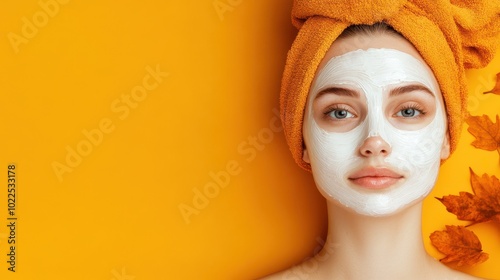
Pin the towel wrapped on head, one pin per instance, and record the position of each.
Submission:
(450, 35)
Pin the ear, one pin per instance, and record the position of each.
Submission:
(305, 156)
(445, 149)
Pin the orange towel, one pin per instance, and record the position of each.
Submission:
(451, 35)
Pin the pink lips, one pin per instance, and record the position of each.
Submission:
(375, 178)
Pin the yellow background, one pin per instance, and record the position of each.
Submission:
(116, 215)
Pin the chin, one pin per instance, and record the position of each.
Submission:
(381, 203)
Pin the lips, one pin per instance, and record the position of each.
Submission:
(375, 178)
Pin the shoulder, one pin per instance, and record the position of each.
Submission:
(282, 275)
(447, 273)
(462, 276)
(307, 270)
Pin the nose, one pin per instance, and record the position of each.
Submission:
(375, 146)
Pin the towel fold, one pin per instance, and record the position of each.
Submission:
(450, 35)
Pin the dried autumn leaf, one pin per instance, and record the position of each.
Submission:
(466, 206)
(487, 189)
(482, 206)
(459, 245)
(496, 89)
(486, 132)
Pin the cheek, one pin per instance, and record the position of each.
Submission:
(417, 151)
(411, 150)
(331, 151)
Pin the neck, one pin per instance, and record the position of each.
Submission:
(362, 247)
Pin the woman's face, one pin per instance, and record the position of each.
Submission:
(374, 125)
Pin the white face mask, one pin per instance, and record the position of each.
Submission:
(415, 154)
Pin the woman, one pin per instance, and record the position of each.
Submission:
(373, 115)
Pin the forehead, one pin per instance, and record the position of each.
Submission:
(363, 41)
(388, 41)
(377, 67)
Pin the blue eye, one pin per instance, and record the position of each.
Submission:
(409, 113)
(340, 114)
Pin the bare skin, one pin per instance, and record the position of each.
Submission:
(372, 248)
(364, 247)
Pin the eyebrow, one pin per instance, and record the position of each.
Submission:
(409, 88)
(338, 91)
(394, 92)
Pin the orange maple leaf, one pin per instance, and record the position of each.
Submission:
(486, 132)
(459, 245)
(487, 188)
(482, 206)
(496, 89)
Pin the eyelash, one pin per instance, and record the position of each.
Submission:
(340, 107)
(414, 106)
(336, 107)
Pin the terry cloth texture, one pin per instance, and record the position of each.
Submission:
(450, 35)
